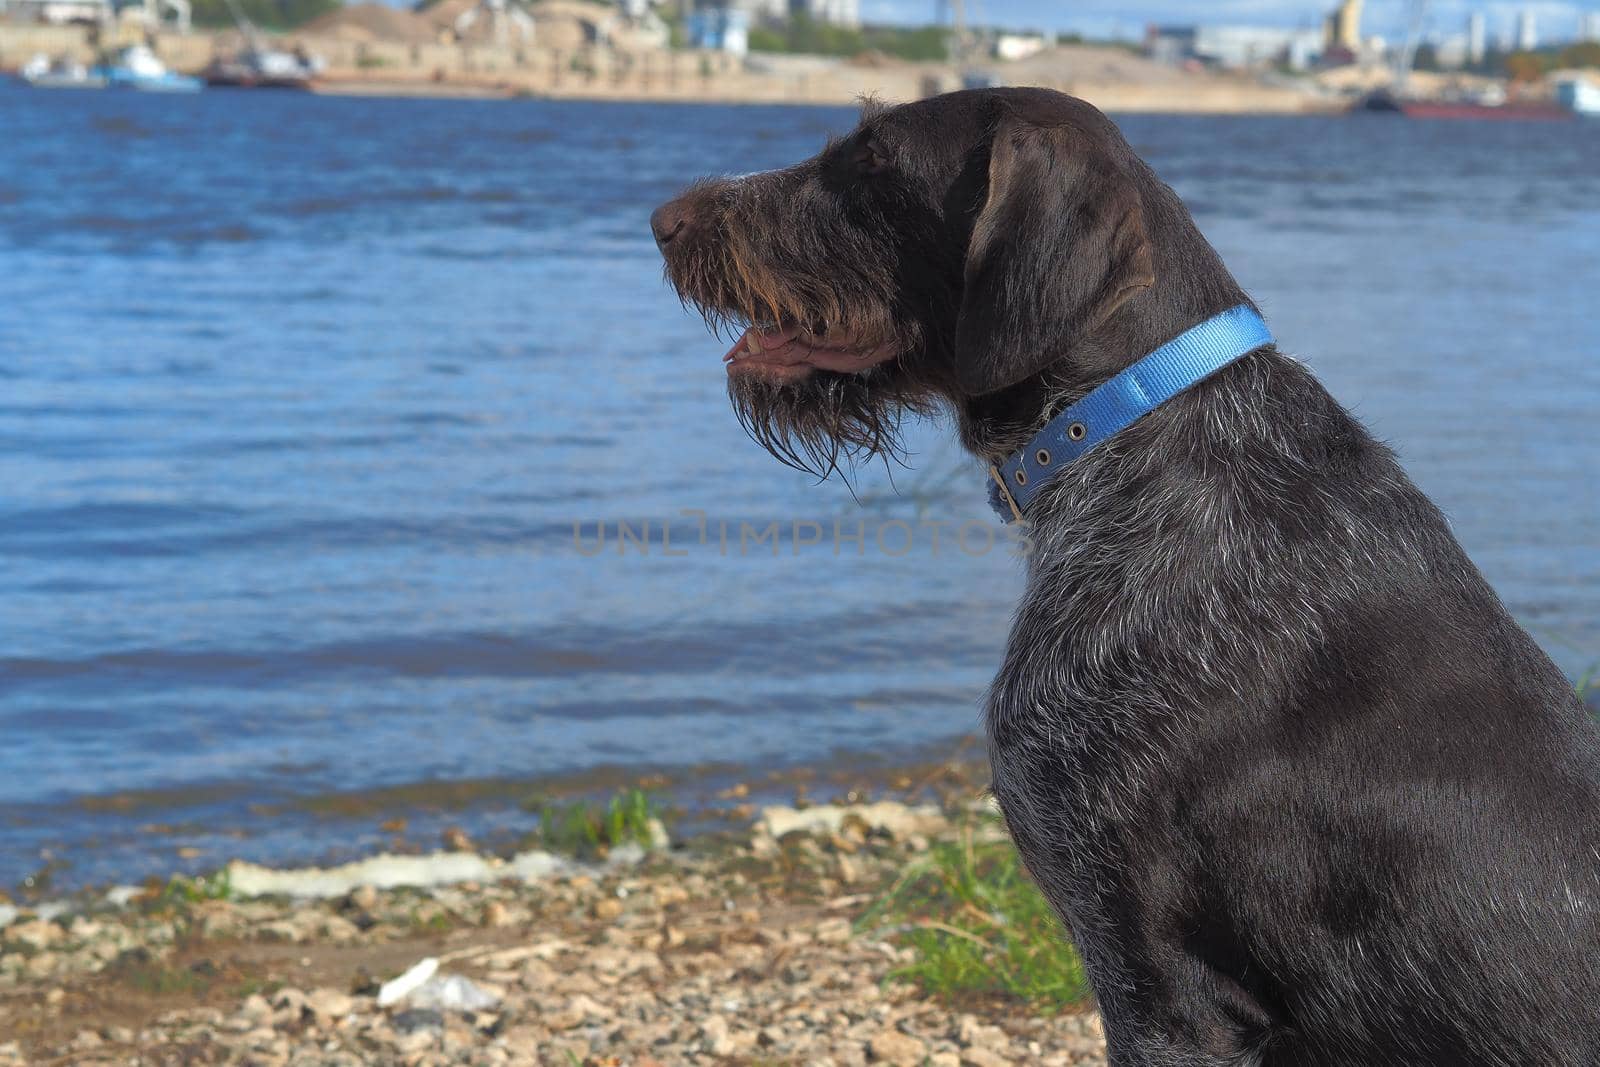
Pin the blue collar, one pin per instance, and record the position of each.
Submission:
(1108, 408)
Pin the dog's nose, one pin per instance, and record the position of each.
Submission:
(667, 222)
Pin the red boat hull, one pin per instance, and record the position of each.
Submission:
(1431, 109)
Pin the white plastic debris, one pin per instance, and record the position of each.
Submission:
(383, 871)
(897, 820)
(120, 896)
(451, 992)
(387, 871)
(398, 989)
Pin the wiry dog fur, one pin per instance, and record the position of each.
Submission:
(1302, 790)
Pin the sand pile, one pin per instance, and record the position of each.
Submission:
(1087, 63)
(372, 22)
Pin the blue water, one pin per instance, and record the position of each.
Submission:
(302, 401)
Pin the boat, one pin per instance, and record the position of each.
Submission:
(1383, 101)
(253, 68)
(1488, 102)
(62, 72)
(137, 67)
(256, 66)
(1579, 96)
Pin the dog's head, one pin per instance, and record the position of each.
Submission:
(962, 249)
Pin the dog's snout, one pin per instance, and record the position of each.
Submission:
(668, 222)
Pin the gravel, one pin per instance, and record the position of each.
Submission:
(740, 950)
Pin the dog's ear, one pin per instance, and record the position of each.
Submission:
(1059, 245)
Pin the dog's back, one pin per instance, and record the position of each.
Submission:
(1330, 804)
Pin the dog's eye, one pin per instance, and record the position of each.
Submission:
(871, 159)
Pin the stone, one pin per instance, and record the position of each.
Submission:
(413, 1019)
(568, 1050)
(669, 894)
(329, 1004)
(714, 1034)
(289, 999)
(37, 934)
(40, 965)
(282, 930)
(973, 1033)
(894, 1047)
(607, 909)
(255, 1008)
(983, 1057)
(416, 1040)
(572, 1014)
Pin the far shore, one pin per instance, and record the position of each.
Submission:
(360, 62)
(1111, 99)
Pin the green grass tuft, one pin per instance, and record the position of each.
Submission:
(584, 829)
(184, 890)
(978, 926)
(138, 969)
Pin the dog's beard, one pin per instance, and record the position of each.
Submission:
(822, 420)
(826, 419)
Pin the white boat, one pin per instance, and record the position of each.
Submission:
(136, 67)
(42, 72)
(1580, 96)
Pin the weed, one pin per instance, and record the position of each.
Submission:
(184, 890)
(977, 925)
(588, 830)
(430, 922)
(139, 970)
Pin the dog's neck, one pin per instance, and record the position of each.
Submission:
(1192, 285)
(996, 425)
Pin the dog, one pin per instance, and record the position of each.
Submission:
(1300, 789)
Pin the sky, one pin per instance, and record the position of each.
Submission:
(1557, 19)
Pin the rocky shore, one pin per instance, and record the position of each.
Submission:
(739, 947)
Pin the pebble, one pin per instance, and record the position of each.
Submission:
(36, 934)
(894, 1047)
(413, 1019)
(329, 1004)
